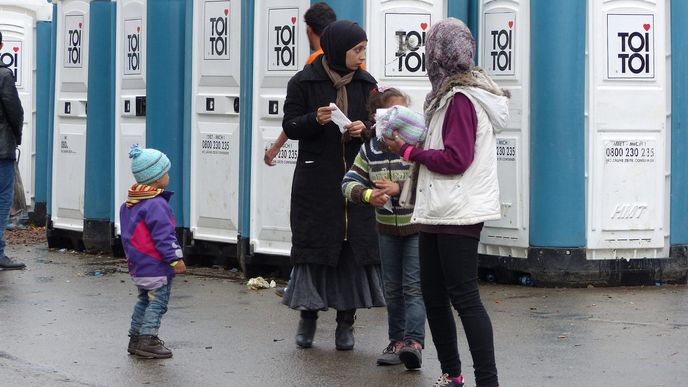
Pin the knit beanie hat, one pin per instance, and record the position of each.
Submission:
(449, 50)
(148, 165)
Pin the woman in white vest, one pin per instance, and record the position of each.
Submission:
(456, 190)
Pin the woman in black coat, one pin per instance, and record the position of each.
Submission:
(334, 244)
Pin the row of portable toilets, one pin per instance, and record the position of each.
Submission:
(592, 166)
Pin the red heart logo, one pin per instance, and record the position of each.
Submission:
(511, 23)
(293, 20)
(423, 26)
(138, 29)
(226, 12)
(15, 49)
(646, 26)
(79, 25)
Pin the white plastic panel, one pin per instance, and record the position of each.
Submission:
(627, 130)
(130, 118)
(69, 139)
(18, 25)
(280, 50)
(504, 52)
(397, 32)
(215, 139)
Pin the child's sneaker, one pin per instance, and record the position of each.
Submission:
(411, 355)
(390, 355)
(133, 343)
(445, 381)
(152, 347)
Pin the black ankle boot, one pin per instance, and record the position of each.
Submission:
(306, 330)
(152, 347)
(344, 334)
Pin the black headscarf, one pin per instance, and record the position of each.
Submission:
(338, 38)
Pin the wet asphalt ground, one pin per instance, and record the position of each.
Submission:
(61, 324)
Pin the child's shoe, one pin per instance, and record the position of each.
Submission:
(133, 343)
(152, 347)
(411, 354)
(390, 355)
(445, 381)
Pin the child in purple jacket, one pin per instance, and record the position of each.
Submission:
(150, 244)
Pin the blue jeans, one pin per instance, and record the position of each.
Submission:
(401, 276)
(6, 195)
(149, 310)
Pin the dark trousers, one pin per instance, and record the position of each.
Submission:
(449, 277)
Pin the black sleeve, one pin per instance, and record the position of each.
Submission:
(299, 123)
(11, 104)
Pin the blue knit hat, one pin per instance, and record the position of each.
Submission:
(148, 165)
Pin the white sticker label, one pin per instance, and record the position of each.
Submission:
(65, 147)
(11, 56)
(215, 144)
(283, 35)
(405, 44)
(506, 149)
(217, 18)
(73, 39)
(132, 46)
(630, 46)
(500, 44)
(287, 154)
(630, 151)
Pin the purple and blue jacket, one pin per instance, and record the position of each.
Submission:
(149, 240)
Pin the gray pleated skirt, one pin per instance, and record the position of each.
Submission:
(346, 286)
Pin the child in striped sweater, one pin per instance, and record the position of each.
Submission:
(376, 177)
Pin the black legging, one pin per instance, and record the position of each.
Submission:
(449, 274)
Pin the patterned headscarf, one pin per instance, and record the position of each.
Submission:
(449, 50)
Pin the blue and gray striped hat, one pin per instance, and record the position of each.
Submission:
(148, 165)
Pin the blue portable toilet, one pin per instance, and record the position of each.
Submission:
(590, 166)
(80, 214)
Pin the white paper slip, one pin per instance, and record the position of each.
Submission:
(339, 118)
(378, 127)
(388, 205)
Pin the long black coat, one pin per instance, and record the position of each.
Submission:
(321, 218)
(11, 116)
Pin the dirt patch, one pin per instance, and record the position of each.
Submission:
(30, 235)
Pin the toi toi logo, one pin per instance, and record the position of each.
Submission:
(219, 33)
(408, 45)
(134, 50)
(74, 46)
(10, 59)
(285, 48)
(635, 51)
(501, 49)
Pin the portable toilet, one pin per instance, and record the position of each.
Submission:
(23, 23)
(130, 102)
(69, 125)
(504, 53)
(280, 50)
(215, 134)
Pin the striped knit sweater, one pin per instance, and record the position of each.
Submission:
(370, 164)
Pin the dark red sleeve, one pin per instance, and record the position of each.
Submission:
(458, 133)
